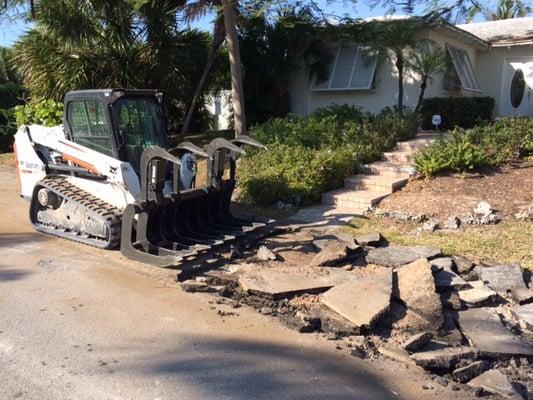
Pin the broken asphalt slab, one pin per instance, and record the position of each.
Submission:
(485, 331)
(525, 313)
(476, 295)
(443, 358)
(416, 289)
(361, 301)
(502, 277)
(495, 382)
(446, 280)
(332, 253)
(283, 281)
(395, 256)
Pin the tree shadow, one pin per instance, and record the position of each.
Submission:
(12, 274)
(245, 369)
(13, 239)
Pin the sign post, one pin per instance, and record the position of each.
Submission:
(436, 120)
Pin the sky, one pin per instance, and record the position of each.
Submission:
(11, 30)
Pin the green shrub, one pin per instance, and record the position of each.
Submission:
(7, 130)
(458, 154)
(286, 171)
(45, 112)
(468, 149)
(309, 156)
(463, 112)
(341, 114)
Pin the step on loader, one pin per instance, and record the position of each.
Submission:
(106, 178)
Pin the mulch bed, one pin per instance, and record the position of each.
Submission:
(506, 189)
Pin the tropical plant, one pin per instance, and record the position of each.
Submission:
(427, 59)
(111, 43)
(507, 9)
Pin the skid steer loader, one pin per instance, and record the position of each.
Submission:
(104, 178)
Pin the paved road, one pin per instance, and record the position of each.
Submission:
(80, 323)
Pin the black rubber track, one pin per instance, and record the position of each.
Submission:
(99, 210)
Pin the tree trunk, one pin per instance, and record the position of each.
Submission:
(423, 87)
(218, 39)
(237, 91)
(399, 66)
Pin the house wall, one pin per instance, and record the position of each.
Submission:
(304, 101)
(495, 78)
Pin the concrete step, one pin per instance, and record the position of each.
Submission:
(387, 168)
(376, 183)
(352, 199)
(402, 157)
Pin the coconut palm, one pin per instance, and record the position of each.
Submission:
(427, 59)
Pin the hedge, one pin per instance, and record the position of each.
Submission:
(462, 112)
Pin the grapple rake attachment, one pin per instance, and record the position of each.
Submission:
(170, 229)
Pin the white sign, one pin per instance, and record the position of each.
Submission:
(436, 120)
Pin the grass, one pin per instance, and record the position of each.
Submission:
(7, 159)
(508, 241)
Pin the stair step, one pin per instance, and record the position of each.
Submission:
(387, 168)
(352, 199)
(376, 183)
(398, 156)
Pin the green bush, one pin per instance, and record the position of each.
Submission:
(45, 112)
(7, 129)
(309, 156)
(462, 112)
(467, 149)
(286, 171)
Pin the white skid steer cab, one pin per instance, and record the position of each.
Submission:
(105, 179)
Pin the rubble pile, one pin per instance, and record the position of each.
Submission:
(482, 214)
(469, 324)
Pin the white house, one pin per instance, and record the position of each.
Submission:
(489, 59)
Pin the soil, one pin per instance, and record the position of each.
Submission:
(506, 189)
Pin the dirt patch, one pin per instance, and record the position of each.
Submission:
(506, 189)
(7, 159)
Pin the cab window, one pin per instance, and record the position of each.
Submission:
(88, 126)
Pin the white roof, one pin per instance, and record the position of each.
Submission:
(505, 32)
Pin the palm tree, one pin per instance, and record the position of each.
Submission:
(232, 41)
(426, 59)
(507, 9)
(110, 43)
(394, 39)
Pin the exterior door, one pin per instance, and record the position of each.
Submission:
(517, 89)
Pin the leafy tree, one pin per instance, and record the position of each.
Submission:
(427, 59)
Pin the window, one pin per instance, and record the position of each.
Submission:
(352, 68)
(88, 125)
(518, 88)
(139, 122)
(464, 69)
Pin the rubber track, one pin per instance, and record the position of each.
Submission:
(103, 211)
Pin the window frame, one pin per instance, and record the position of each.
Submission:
(464, 68)
(359, 52)
(110, 134)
